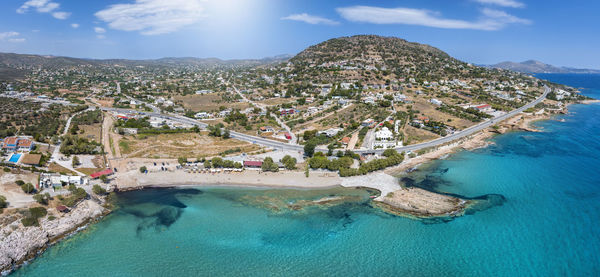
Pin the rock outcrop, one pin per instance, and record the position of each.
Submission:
(19, 243)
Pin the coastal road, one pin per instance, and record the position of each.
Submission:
(294, 147)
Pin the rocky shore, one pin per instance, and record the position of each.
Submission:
(19, 243)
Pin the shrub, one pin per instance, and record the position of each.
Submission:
(32, 216)
(3, 203)
(143, 169)
(6, 169)
(97, 189)
(28, 188)
(19, 182)
(42, 198)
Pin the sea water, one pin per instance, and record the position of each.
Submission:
(545, 225)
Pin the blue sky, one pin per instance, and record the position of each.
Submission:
(562, 33)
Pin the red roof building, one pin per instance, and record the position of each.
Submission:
(253, 163)
(101, 173)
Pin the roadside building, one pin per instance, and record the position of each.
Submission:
(253, 164)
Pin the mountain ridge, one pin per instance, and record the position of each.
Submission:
(534, 66)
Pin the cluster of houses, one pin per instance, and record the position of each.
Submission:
(57, 181)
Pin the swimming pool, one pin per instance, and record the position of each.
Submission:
(14, 158)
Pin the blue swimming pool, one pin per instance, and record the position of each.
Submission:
(14, 158)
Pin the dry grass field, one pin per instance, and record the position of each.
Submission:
(207, 102)
(179, 145)
(415, 135)
(91, 132)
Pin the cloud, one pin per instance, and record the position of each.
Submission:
(11, 37)
(100, 36)
(43, 6)
(61, 15)
(152, 17)
(310, 19)
(74, 25)
(99, 30)
(503, 3)
(490, 19)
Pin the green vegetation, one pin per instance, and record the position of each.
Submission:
(392, 157)
(218, 162)
(143, 169)
(42, 198)
(28, 188)
(73, 145)
(98, 190)
(75, 161)
(33, 215)
(309, 148)
(269, 165)
(77, 194)
(289, 162)
(3, 203)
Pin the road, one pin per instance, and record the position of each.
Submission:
(295, 147)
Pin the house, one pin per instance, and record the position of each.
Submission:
(384, 134)
(345, 140)
(484, 108)
(368, 122)
(399, 97)
(202, 115)
(266, 129)
(204, 91)
(286, 111)
(98, 174)
(17, 144)
(435, 102)
(62, 209)
(253, 164)
(331, 132)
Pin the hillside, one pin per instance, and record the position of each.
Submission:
(366, 54)
(532, 66)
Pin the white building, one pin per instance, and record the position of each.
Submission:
(435, 102)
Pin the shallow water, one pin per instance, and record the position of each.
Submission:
(545, 223)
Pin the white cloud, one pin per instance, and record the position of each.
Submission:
(503, 3)
(75, 25)
(152, 17)
(99, 30)
(44, 6)
(310, 19)
(11, 37)
(490, 19)
(61, 15)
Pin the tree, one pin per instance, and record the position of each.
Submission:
(309, 148)
(226, 134)
(42, 198)
(28, 188)
(75, 161)
(269, 165)
(289, 162)
(97, 189)
(182, 160)
(143, 169)
(3, 202)
(104, 179)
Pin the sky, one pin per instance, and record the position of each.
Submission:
(558, 32)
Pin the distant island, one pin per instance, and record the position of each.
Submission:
(533, 66)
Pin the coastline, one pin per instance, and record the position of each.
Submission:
(20, 244)
(394, 198)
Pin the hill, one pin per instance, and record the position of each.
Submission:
(368, 54)
(532, 66)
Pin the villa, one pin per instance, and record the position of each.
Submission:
(14, 144)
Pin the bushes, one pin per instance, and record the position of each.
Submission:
(3, 203)
(28, 188)
(269, 165)
(32, 216)
(42, 198)
(73, 145)
(309, 148)
(374, 165)
(289, 162)
(77, 194)
(220, 163)
(143, 169)
(320, 161)
(98, 190)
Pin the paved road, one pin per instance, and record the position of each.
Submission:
(294, 147)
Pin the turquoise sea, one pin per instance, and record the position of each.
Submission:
(546, 223)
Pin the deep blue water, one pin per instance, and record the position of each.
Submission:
(546, 226)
